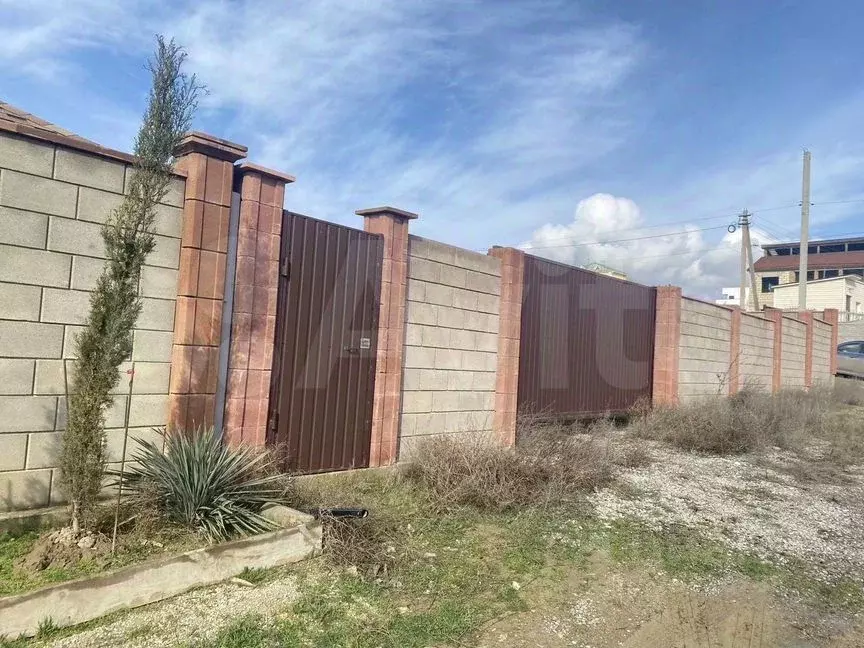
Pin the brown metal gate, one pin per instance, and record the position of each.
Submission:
(326, 341)
(587, 344)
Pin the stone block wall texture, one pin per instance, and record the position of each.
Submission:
(253, 321)
(756, 353)
(667, 343)
(392, 225)
(793, 354)
(823, 350)
(53, 200)
(451, 342)
(209, 165)
(704, 350)
(509, 341)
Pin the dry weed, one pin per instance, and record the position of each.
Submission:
(369, 544)
(632, 456)
(549, 465)
(751, 420)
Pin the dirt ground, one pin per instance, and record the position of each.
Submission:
(195, 616)
(604, 606)
(769, 505)
(774, 505)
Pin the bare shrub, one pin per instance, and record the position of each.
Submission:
(706, 427)
(847, 391)
(370, 544)
(374, 545)
(632, 456)
(843, 437)
(548, 466)
(751, 420)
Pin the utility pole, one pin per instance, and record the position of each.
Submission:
(754, 294)
(742, 284)
(747, 262)
(805, 233)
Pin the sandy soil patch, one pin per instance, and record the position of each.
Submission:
(193, 616)
(756, 504)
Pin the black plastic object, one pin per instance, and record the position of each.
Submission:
(338, 512)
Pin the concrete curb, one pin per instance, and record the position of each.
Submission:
(85, 599)
(33, 519)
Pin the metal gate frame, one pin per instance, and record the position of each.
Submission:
(348, 378)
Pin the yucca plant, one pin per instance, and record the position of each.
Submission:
(203, 484)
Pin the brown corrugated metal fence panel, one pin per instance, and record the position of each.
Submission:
(326, 341)
(587, 341)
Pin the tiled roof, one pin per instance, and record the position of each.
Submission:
(774, 246)
(16, 116)
(15, 120)
(827, 261)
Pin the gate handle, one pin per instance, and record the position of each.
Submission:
(352, 349)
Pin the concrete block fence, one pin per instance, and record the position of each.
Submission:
(54, 196)
(703, 350)
(449, 333)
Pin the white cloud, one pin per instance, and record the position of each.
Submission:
(470, 116)
(477, 115)
(37, 37)
(613, 231)
(490, 119)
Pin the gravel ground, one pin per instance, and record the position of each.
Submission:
(754, 504)
(186, 618)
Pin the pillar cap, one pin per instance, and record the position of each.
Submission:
(211, 146)
(387, 211)
(249, 167)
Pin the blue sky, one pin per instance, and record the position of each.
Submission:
(564, 124)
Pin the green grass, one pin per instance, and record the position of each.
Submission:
(447, 598)
(255, 575)
(13, 547)
(15, 581)
(47, 628)
(451, 572)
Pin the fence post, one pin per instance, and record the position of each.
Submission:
(832, 317)
(509, 337)
(776, 316)
(392, 224)
(735, 351)
(807, 318)
(256, 288)
(667, 338)
(209, 166)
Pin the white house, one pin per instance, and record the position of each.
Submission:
(845, 293)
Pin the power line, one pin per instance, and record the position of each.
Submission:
(779, 228)
(637, 238)
(696, 252)
(838, 202)
(717, 215)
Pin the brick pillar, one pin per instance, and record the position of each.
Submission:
(253, 320)
(387, 403)
(832, 316)
(776, 316)
(667, 338)
(209, 165)
(509, 336)
(807, 318)
(735, 351)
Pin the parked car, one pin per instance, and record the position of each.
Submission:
(850, 359)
